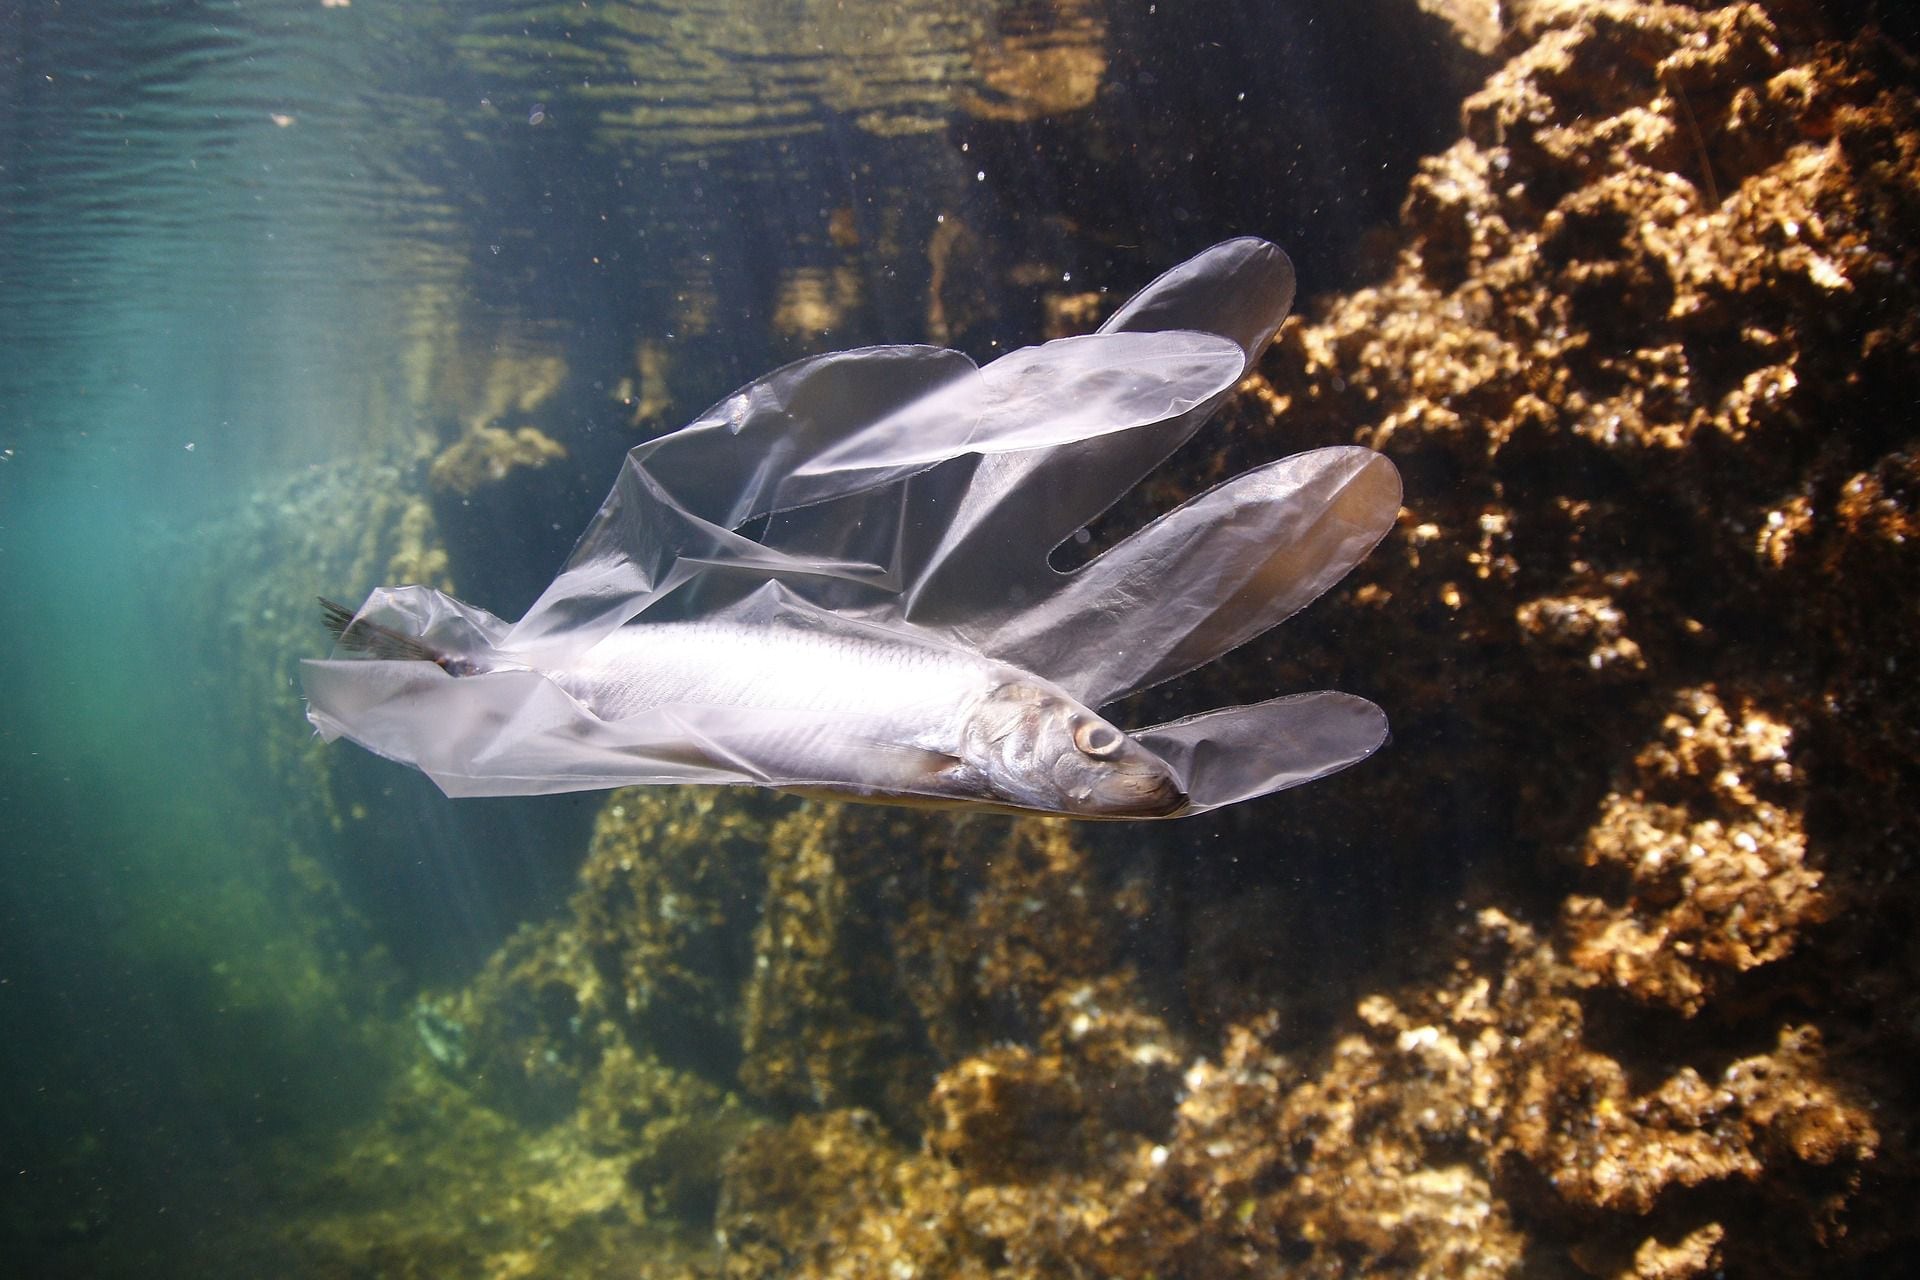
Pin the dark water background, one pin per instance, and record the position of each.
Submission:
(232, 236)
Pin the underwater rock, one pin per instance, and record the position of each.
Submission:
(1716, 875)
(418, 555)
(647, 389)
(1475, 22)
(522, 1033)
(1634, 303)
(811, 305)
(893, 943)
(1588, 630)
(1002, 1115)
(533, 1136)
(832, 1194)
(485, 455)
(1665, 261)
(1037, 60)
(476, 386)
(1486, 1083)
(442, 1186)
(1430, 1136)
(826, 1023)
(672, 1127)
(670, 896)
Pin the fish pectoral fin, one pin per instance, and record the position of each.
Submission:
(940, 764)
(774, 749)
(913, 777)
(918, 764)
(901, 773)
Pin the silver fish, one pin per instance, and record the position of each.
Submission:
(895, 632)
(862, 713)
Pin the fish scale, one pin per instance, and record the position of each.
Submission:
(641, 668)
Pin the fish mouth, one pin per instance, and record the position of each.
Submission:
(1146, 796)
(1167, 801)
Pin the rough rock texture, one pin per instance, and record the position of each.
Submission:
(487, 454)
(1606, 967)
(443, 1188)
(1641, 361)
(1714, 879)
(669, 896)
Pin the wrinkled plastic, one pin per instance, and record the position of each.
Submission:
(907, 493)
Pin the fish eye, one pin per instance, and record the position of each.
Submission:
(1097, 738)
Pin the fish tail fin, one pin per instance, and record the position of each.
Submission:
(367, 636)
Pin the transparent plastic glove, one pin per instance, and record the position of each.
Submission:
(895, 631)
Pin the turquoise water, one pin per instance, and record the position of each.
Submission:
(264, 259)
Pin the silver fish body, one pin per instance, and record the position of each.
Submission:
(876, 716)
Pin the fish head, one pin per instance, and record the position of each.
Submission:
(1036, 747)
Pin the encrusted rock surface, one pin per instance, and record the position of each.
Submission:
(487, 454)
(1715, 878)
